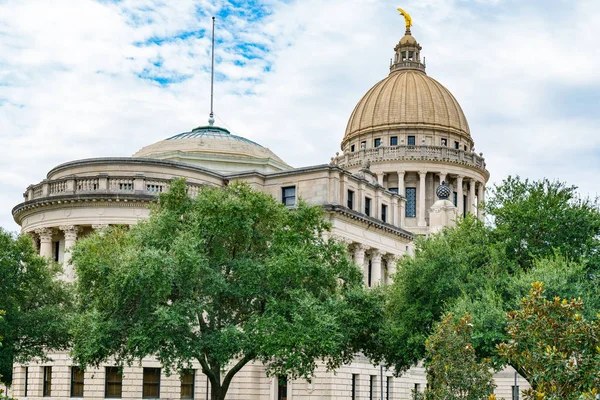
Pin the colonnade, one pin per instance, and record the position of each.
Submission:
(47, 236)
(378, 266)
(475, 189)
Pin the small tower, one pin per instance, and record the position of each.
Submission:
(408, 54)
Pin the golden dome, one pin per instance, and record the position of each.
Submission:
(407, 98)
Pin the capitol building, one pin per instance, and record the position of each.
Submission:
(406, 137)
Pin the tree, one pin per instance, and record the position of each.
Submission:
(447, 266)
(535, 219)
(453, 371)
(224, 279)
(37, 305)
(554, 347)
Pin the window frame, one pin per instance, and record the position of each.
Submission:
(151, 385)
(192, 384)
(412, 139)
(412, 197)
(456, 145)
(388, 388)
(284, 197)
(371, 387)
(444, 142)
(394, 139)
(350, 202)
(352, 148)
(384, 212)
(367, 209)
(363, 144)
(75, 369)
(56, 251)
(282, 387)
(47, 382)
(376, 142)
(354, 386)
(119, 383)
(26, 381)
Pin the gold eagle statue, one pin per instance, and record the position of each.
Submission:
(407, 18)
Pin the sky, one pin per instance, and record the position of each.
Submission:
(85, 78)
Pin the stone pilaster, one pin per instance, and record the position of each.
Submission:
(421, 204)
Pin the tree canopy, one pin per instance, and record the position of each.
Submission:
(485, 270)
(36, 305)
(229, 277)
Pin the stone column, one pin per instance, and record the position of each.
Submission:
(70, 239)
(359, 259)
(401, 190)
(442, 177)
(45, 235)
(480, 200)
(375, 267)
(421, 204)
(390, 260)
(472, 197)
(459, 195)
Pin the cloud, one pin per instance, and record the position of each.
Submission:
(105, 78)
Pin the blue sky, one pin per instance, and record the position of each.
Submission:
(105, 78)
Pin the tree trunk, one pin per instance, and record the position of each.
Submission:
(217, 392)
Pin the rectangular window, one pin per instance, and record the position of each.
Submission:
(354, 383)
(363, 145)
(416, 390)
(352, 148)
(47, 389)
(411, 202)
(455, 199)
(351, 199)
(125, 186)
(384, 213)
(113, 383)
(444, 142)
(288, 196)
(464, 205)
(56, 251)
(456, 145)
(372, 387)
(393, 190)
(465, 147)
(26, 381)
(151, 388)
(77, 375)
(367, 206)
(394, 141)
(388, 388)
(187, 384)
(369, 273)
(377, 142)
(282, 388)
(411, 141)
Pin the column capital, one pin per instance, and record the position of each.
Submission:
(421, 173)
(45, 234)
(375, 254)
(70, 231)
(342, 239)
(459, 178)
(390, 258)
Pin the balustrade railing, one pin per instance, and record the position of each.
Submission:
(399, 153)
(102, 184)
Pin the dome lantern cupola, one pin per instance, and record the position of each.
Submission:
(408, 54)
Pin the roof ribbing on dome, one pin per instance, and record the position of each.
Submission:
(212, 132)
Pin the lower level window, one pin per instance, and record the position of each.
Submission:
(151, 389)
(282, 388)
(187, 384)
(367, 206)
(384, 213)
(411, 202)
(47, 389)
(372, 388)
(354, 386)
(113, 385)
(288, 195)
(77, 375)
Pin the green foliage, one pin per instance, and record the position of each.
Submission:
(457, 262)
(229, 277)
(453, 372)
(535, 219)
(37, 305)
(554, 346)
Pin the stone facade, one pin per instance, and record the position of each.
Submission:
(406, 137)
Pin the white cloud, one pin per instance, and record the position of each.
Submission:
(69, 85)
